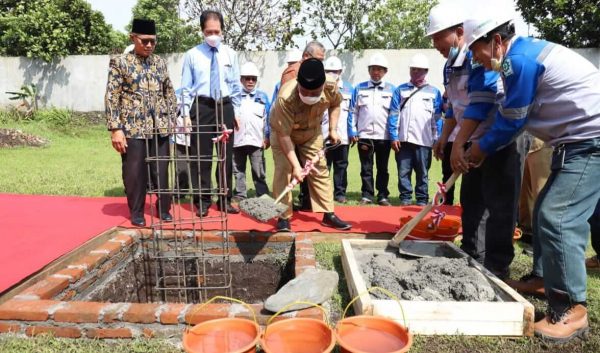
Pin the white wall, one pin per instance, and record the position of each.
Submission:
(79, 82)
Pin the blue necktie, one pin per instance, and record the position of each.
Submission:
(215, 82)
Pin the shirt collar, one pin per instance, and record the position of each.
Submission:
(251, 93)
(380, 85)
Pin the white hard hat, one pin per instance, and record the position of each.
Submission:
(249, 69)
(293, 56)
(419, 61)
(444, 16)
(475, 28)
(378, 59)
(333, 63)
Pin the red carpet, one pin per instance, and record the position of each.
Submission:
(367, 219)
(36, 229)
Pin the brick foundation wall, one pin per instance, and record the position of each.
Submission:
(45, 307)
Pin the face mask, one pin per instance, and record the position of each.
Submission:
(309, 99)
(496, 63)
(454, 51)
(334, 75)
(213, 40)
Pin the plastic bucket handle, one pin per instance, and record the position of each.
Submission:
(225, 298)
(384, 291)
(294, 303)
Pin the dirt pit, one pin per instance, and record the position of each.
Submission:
(429, 279)
(17, 138)
(251, 282)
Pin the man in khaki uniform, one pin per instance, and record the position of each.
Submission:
(296, 124)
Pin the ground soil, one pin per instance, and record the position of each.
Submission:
(17, 138)
(251, 282)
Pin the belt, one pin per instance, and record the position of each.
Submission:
(211, 101)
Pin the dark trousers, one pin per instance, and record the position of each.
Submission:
(489, 197)
(338, 158)
(183, 181)
(257, 166)
(447, 173)
(304, 194)
(135, 173)
(380, 151)
(418, 158)
(204, 119)
(595, 229)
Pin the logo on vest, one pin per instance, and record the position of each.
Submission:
(507, 69)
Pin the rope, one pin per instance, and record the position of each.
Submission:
(224, 137)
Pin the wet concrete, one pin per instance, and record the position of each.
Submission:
(430, 279)
(262, 208)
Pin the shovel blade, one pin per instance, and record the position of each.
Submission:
(417, 249)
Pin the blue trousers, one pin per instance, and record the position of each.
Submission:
(418, 158)
(560, 217)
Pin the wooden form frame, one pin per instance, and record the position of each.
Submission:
(513, 316)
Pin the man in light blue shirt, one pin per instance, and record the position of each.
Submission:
(211, 79)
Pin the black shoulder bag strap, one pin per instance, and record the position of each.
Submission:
(412, 94)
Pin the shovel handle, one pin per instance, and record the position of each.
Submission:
(287, 189)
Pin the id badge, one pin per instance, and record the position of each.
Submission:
(558, 158)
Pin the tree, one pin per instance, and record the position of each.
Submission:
(254, 24)
(337, 21)
(54, 28)
(572, 23)
(174, 34)
(394, 24)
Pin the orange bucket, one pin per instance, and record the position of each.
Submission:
(372, 334)
(426, 230)
(227, 335)
(297, 335)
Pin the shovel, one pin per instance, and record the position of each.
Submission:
(264, 208)
(414, 249)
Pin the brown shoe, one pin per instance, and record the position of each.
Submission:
(573, 323)
(529, 284)
(592, 263)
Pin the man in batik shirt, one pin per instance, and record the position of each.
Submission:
(140, 110)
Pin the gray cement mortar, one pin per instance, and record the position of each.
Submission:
(263, 209)
(429, 279)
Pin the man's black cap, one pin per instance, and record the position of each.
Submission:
(311, 74)
(141, 26)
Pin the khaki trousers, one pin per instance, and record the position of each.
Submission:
(320, 186)
(535, 175)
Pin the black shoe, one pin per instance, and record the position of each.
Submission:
(341, 199)
(166, 217)
(202, 211)
(302, 207)
(283, 225)
(230, 209)
(138, 221)
(384, 202)
(331, 220)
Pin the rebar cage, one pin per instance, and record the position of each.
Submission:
(180, 264)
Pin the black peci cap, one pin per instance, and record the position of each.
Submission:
(140, 26)
(311, 74)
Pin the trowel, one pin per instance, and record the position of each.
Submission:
(412, 248)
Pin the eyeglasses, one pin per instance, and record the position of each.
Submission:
(250, 78)
(146, 41)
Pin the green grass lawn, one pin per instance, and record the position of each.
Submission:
(82, 162)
